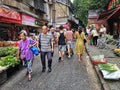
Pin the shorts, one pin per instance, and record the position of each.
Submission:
(70, 44)
(62, 47)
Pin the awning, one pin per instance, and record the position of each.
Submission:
(73, 24)
(8, 15)
(110, 14)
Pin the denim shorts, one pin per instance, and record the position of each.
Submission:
(70, 44)
(62, 47)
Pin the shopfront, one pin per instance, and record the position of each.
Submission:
(12, 22)
(112, 17)
(8, 18)
(31, 24)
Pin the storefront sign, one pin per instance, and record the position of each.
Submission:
(28, 20)
(113, 3)
(38, 23)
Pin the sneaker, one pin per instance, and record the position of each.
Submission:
(43, 70)
(49, 69)
(59, 59)
(62, 59)
(69, 56)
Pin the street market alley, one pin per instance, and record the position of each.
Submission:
(67, 75)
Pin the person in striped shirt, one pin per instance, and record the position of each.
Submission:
(46, 46)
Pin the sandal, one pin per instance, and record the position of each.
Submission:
(29, 78)
(79, 60)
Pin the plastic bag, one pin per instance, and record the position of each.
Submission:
(35, 50)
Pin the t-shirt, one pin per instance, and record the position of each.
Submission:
(88, 31)
(54, 35)
(25, 49)
(45, 42)
(69, 35)
(103, 30)
(94, 33)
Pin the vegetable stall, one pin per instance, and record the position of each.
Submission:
(8, 62)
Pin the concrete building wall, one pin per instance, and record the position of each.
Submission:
(23, 7)
(61, 10)
(16, 4)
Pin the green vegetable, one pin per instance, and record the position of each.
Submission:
(9, 61)
(7, 51)
(108, 67)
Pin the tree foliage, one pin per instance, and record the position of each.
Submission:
(83, 6)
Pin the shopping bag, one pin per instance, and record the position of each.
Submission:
(35, 50)
(22, 57)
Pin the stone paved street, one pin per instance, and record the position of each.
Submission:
(67, 75)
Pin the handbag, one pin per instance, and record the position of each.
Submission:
(22, 57)
(35, 50)
(85, 40)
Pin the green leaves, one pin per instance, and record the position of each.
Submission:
(7, 54)
(9, 61)
(108, 67)
(83, 6)
(7, 51)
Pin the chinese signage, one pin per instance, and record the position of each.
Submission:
(38, 23)
(28, 20)
(113, 3)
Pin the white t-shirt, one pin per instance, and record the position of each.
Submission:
(94, 33)
(103, 30)
(88, 31)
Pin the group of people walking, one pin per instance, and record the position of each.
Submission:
(45, 44)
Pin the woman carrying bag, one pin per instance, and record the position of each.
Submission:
(25, 53)
(80, 46)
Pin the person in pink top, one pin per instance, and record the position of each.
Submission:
(69, 39)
